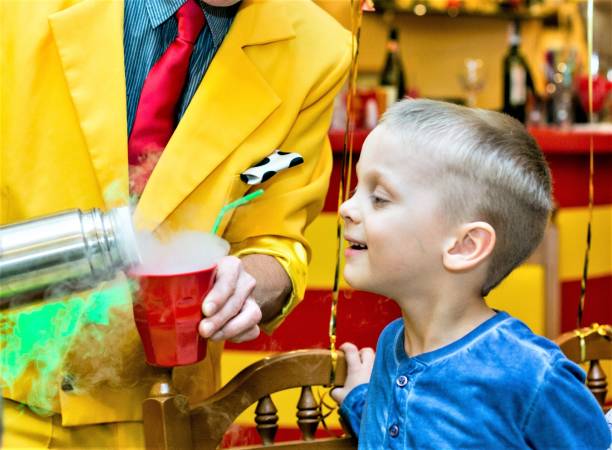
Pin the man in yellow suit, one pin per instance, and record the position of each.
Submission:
(263, 76)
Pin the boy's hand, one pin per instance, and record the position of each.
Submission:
(230, 312)
(360, 363)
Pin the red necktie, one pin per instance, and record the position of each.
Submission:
(155, 118)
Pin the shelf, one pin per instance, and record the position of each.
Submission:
(572, 141)
(538, 12)
(551, 140)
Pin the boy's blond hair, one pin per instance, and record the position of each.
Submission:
(486, 166)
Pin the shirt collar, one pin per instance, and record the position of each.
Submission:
(218, 18)
(161, 10)
(436, 355)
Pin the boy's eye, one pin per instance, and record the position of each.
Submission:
(376, 200)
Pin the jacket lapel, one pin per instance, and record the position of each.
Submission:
(89, 38)
(232, 101)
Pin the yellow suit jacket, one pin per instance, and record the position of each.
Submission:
(63, 132)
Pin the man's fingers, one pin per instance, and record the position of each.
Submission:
(243, 326)
(228, 273)
(211, 325)
(227, 307)
(230, 307)
(248, 335)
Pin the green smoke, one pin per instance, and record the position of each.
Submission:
(34, 340)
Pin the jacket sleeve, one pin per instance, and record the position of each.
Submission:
(294, 197)
(564, 414)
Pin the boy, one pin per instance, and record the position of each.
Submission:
(450, 200)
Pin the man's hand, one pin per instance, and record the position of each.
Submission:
(359, 369)
(229, 309)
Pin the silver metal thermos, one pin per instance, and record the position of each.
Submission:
(74, 250)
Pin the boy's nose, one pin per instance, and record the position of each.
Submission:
(347, 211)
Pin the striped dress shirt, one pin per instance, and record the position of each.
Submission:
(149, 27)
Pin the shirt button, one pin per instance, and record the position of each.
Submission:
(402, 380)
(393, 430)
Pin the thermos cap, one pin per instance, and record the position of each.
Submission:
(121, 219)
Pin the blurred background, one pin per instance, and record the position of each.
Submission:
(462, 49)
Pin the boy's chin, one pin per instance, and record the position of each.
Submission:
(356, 281)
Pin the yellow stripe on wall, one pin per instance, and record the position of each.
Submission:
(523, 296)
(572, 224)
(322, 237)
(233, 361)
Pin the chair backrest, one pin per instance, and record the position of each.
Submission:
(170, 423)
(591, 344)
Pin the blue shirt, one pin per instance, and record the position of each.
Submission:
(149, 27)
(609, 420)
(500, 386)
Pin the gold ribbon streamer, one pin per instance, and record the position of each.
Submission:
(321, 405)
(585, 269)
(357, 7)
(603, 330)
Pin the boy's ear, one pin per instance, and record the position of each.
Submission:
(471, 245)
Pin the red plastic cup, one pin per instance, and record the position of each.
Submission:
(167, 311)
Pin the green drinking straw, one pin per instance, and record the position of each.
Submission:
(241, 201)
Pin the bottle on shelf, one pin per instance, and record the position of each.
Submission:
(392, 78)
(517, 78)
(510, 5)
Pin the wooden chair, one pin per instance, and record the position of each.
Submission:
(170, 423)
(591, 344)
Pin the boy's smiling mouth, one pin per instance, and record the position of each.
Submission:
(356, 245)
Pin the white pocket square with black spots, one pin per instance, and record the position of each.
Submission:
(270, 166)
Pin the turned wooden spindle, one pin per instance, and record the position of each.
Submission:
(596, 382)
(166, 416)
(266, 420)
(308, 414)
